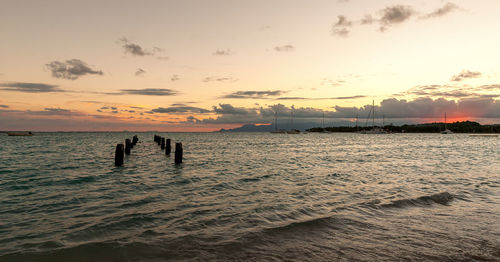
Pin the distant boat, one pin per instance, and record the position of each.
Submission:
(374, 130)
(446, 130)
(22, 133)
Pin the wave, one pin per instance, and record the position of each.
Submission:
(443, 198)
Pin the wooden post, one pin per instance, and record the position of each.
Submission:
(135, 140)
(162, 143)
(168, 147)
(158, 140)
(127, 146)
(178, 153)
(119, 155)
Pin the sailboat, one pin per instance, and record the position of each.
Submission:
(446, 130)
(20, 133)
(292, 130)
(374, 130)
(276, 130)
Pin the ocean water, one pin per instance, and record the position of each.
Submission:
(251, 197)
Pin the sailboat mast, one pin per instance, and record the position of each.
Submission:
(373, 116)
(276, 120)
(357, 128)
(444, 120)
(323, 121)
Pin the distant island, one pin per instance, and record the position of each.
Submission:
(456, 127)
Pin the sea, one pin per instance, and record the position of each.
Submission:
(250, 197)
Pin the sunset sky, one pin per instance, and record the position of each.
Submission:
(205, 65)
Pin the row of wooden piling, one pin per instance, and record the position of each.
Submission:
(165, 144)
(121, 150)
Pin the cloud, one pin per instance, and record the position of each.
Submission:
(446, 9)
(338, 82)
(134, 49)
(71, 69)
(367, 20)
(219, 79)
(465, 74)
(174, 78)
(54, 112)
(395, 14)
(254, 94)
(227, 109)
(30, 87)
(342, 26)
(453, 92)
(180, 109)
(147, 92)
(321, 98)
(137, 50)
(4, 106)
(284, 48)
(220, 52)
(139, 72)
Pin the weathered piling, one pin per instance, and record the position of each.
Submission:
(134, 140)
(168, 147)
(178, 153)
(119, 155)
(158, 140)
(162, 143)
(128, 146)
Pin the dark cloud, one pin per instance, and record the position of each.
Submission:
(54, 112)
(227, 109)
(321, 98)
(254, 94)
(148, 92)
(137, 50)
(139, 72)
(395, 14)
(284, 48)
(453, 92)
(446, 9)
(71, 69)
(219, 79)
(30, 87)
(174, 78)
(113, 108)
(134, 49)
(394, 110)
(4, 106)
(342, 27)
(220, 52)
(465, 74)
(180, 109)
(99, 110)
(104, 107)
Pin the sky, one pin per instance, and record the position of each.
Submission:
(205, 65)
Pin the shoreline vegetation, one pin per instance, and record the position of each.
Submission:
(456, 127)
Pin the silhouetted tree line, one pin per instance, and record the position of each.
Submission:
(456, 127)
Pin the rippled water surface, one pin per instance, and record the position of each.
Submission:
(251, 197)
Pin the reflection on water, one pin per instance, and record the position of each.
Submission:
(316, 197)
